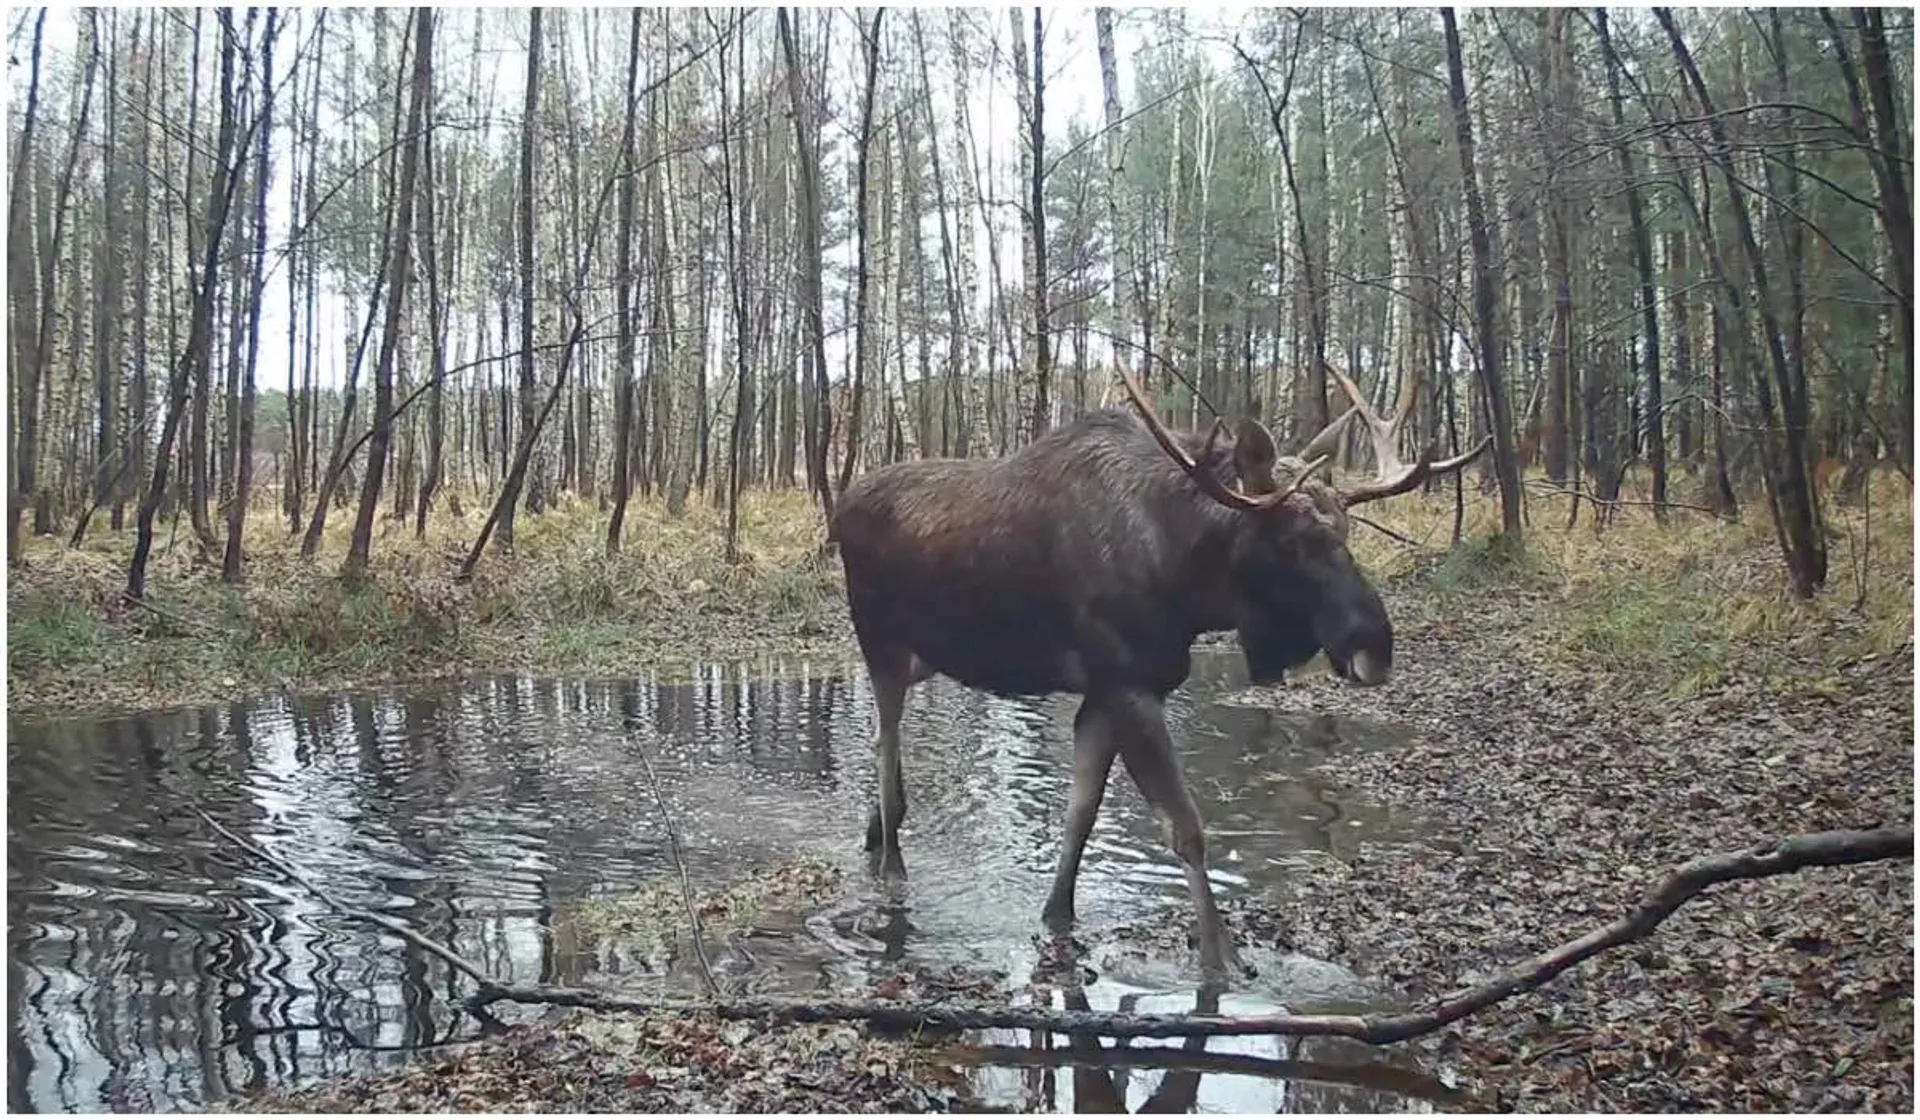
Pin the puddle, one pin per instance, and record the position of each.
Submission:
(152, 969)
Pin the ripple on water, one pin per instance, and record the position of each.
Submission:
(144, 953)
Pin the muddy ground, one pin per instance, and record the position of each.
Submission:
(1567, 797)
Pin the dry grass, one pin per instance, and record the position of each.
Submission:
(1675, 607)
(558, 603)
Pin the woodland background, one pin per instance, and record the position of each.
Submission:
(429, 278)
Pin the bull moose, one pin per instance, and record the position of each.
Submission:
(1087, 563)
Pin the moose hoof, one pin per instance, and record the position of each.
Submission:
(886, 864)
(1225, 967)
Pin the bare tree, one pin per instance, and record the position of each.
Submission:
(624, 356)
(735, 221)
(108, 270)
(1795, 506)
(1030, 90)
(503, 536)
(1643, 262)
(1896, 204)
(200, 332)
(32, 373)
(1127, 293)
(400, 266)
(862, 175)
(24, 359)
(429, 202)
(233, 563)
(302, 276)
(1499, 419)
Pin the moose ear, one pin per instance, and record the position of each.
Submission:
(1254, 455)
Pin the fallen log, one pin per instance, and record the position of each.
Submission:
(1795, 853)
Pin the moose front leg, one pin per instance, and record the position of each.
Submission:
(1147, 751)
(891, 678)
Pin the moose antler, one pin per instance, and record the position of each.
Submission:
(1391, 476)
(1207, 480)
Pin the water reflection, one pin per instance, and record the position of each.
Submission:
(153, 969)
(1081, 1071)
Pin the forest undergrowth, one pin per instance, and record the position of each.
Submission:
(556, 604)
(1673, 608)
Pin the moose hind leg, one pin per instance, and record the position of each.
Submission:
(891, 678)
(1148, 753)
(1093, 750)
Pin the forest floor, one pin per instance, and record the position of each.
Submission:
(1566, 797)
(1591, 712)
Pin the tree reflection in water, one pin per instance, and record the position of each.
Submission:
(149, 968)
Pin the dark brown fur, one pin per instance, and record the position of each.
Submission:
(1088, 560)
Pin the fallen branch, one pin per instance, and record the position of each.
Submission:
(398, 929)
(1820, 849)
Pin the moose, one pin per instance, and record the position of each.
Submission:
(1087, 563)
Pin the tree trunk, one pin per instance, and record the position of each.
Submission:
(1560, 110)
(1127, 295)
(623, 419)
(303, 274)
(1499, 418)
(200, 332)
(819, 426)
(733, 190)
(434, 475)
(24, 355)
(1896, 205)
(232, 567)
(1643, 262)
(1032, 98)
(503, 536)
(953, 412)
(862, 158)
(399, 265)
(1789, 486)
(26, 446)
(108, 266)
(1680, 332)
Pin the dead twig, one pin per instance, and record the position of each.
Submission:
(680, 866)
(1539, 484)
(1379, 528)
(1836, 848)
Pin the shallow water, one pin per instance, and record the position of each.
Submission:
(152, 967)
